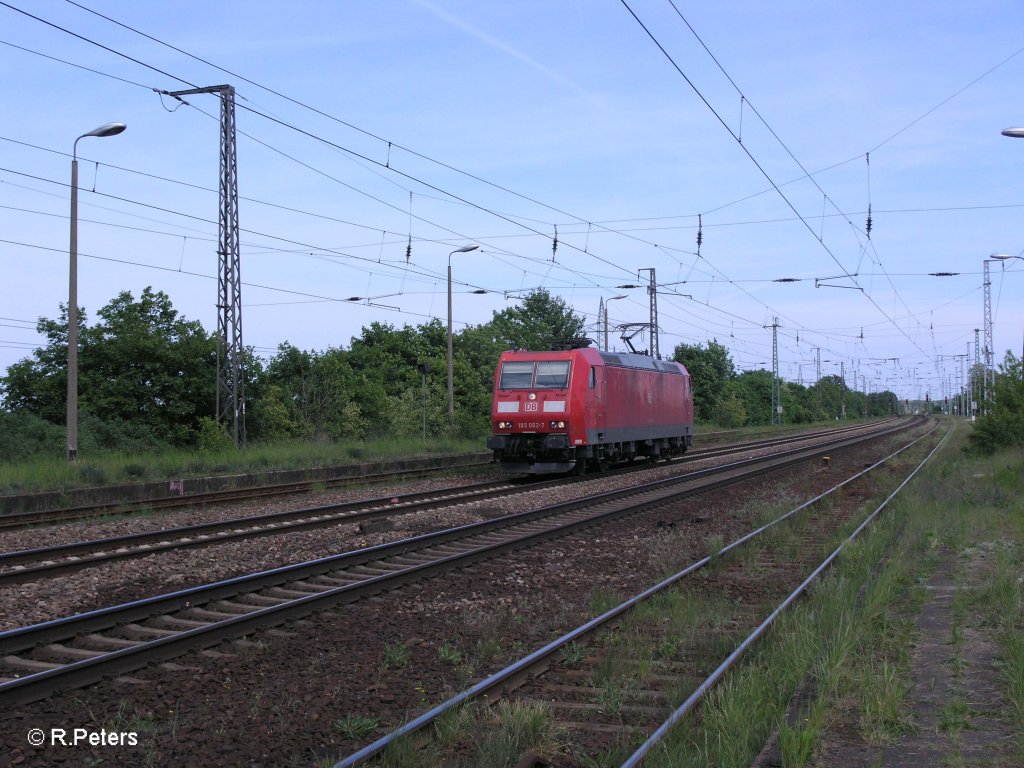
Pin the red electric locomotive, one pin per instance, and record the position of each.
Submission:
(580, 408)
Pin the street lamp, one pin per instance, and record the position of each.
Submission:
(613, 298)
(110, 129)
(451, 386)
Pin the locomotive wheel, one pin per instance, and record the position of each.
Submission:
(603, 464)
(581, 461)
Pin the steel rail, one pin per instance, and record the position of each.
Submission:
(506, 677)
(17, 520)
(733, 658)
(66, 558)
(206, 534)
(611, 505)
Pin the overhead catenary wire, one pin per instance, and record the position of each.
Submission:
(757, 164)
(587, 247)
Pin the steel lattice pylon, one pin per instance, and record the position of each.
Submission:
(230, 397)
(652, 292)
(776, 392)
(989, 379)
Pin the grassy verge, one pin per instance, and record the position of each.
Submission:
(56, 474)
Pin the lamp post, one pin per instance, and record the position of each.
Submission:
(1013, 133)
(613, 298)
(451, 386)
(109, 129)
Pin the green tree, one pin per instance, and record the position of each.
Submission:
(539, 321)
(144, 373)
(385, 363)
(731, 413)
(146, 364)
(1003, 425)
(711, 369)
(313, 395)
(797, 406)
(754, 389)
(38, 384)
(830, 393)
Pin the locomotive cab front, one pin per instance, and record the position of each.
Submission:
(531, 415)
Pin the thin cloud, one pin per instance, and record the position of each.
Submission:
(504, 47)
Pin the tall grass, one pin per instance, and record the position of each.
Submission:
(48, 474)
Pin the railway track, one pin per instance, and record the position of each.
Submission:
(43, 562)
(582, 679)
(125, 506)
(15, 520)
(41, 659)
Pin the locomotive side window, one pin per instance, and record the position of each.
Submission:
(552, 374)
(516, 375)
(593, 377)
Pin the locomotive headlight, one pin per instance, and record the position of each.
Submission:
(504, 425)
(558, 425)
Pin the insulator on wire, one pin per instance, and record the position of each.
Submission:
(867, 162)
(700, 234)
(554, 243)
(408, 248)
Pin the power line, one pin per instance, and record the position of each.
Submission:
(534, 232)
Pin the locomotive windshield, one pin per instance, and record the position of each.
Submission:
(543, 374)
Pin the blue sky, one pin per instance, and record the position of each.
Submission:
(364, 126)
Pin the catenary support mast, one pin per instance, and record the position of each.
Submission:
(230, 352)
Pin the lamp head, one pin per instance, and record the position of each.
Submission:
(109, 129)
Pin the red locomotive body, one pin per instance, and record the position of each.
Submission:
(559, 411)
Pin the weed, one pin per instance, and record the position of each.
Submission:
(612, 696)
(396, 656)
(714, 546)
(573, 655)
(520, 726)
(404, 753)
(355, 727)
(954, 718)
(669, 648)
(883, 717)
(449, 654)
(487, 649)
(456, 726)
(601, 600)
(797, 745)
